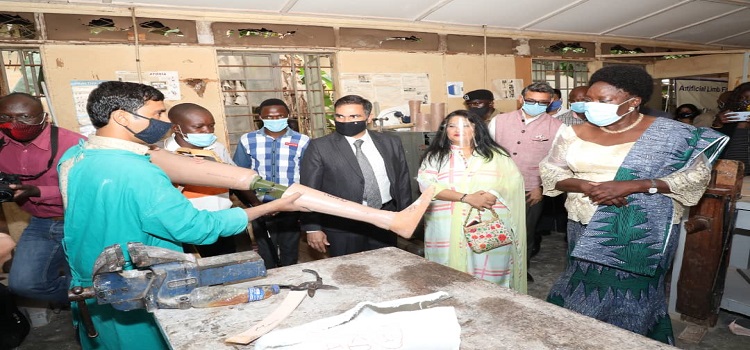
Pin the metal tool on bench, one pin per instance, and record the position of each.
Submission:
(310, 287)
(162, 278)
(230, 295)
(291, 301)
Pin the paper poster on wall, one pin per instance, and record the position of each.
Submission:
(81, 90)
(167, 82)
(388, 89)
(455, 89)
(507, 89)
(702, 93)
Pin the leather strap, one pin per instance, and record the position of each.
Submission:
(292, 300)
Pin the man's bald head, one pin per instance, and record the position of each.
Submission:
(22, 97)
(190, 118)
(578, 94)
(182, 111)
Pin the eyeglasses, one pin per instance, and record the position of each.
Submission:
(24, 118)
(535, 102)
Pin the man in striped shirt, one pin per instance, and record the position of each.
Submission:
(275, 152)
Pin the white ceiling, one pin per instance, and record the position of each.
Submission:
(713, 22)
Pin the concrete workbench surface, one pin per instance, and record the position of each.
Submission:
(491, 317)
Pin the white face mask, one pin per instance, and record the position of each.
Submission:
(603, 114)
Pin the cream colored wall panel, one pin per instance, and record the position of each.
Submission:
(395, 62)
(470, 69)
(736, 70)
(692, 66)
(441, 68)
(64, 63)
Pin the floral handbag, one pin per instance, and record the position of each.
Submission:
(485, 235)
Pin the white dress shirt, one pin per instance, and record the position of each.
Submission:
(377, 163)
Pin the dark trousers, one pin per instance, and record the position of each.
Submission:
(223, 245)
(347, 242)
(554, 215)
(361, 238)
(278, 238)
(533, 213)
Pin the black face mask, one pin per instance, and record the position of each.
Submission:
(351, 128)
(480, 111)
(155, 131)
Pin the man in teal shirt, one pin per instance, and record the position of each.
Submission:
(113, 194)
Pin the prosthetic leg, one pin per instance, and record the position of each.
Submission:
(201, 172)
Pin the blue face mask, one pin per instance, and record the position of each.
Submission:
(603, 114)
(555, 105)
(533, 109)
(155, 131)
(198, 139)
(578, 107)
(275, 125)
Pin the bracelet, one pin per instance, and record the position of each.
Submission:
(462, 197)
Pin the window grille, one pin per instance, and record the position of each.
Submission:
(21, 71)
(303, 80)
(563, 75)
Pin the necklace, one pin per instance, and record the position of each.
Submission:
(640, 117)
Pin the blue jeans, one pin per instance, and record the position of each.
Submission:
(40, 270)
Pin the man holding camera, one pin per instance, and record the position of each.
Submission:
(30, 148)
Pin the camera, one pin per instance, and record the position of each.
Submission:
(6, 193)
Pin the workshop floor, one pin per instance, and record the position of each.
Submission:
(545, 267)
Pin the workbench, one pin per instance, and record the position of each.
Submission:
(491, 317)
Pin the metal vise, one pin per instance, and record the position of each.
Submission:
(162, 278)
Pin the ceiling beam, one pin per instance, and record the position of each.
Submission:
(432, 9)
(733, 2)
(652, 14)
(729, 37)
(405, 25)
(700, 22)
(553, 13)
(675, 53)
(288, 6)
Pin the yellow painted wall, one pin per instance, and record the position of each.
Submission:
(442, 68)
(471, 70)
(730, 64)
(735, 70)
(691, 66)
(64, 63)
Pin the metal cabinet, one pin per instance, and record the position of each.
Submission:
(415, 143)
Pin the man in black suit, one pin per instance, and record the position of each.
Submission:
(359, 165)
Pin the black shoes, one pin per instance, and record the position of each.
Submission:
(536, 246)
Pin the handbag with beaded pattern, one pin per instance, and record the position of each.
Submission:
(485, 235)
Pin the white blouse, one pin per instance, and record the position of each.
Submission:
(574, 158)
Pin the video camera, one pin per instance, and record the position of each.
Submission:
(6, 193)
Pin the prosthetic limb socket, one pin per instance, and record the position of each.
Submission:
(197, 171)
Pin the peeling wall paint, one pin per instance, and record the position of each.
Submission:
(199, 85)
